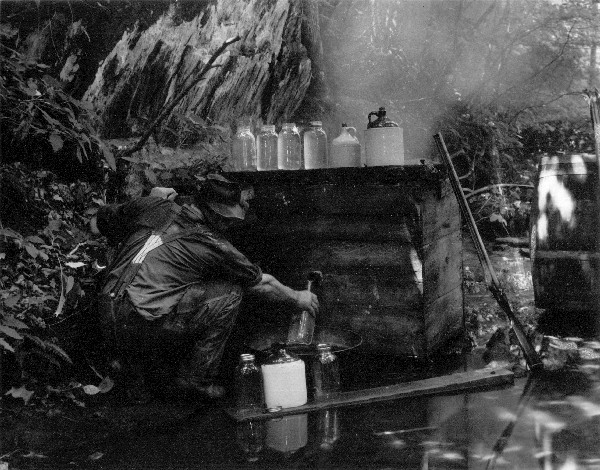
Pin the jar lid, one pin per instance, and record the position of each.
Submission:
(280, 355)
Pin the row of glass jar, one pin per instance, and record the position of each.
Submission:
(281, 381)
(284, 151)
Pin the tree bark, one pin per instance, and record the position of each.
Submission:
(264, 77)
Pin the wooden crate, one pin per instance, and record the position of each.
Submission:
(386, 239)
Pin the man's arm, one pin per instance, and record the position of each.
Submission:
(274, 290)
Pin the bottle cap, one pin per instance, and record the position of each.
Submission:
(280, 355)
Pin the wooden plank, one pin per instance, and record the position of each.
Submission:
(441, 216)
(444, 319)
(336, 227)
(362, 199)
(562, 254)
(442, 266)
(380, 291)
(357, 257)
(385, 330)
(413, 176)
(452, 383)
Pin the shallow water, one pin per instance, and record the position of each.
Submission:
(549, 421)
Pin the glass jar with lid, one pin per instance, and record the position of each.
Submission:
(289, 148)
(315, 147)
(243, 150)
(266, 148)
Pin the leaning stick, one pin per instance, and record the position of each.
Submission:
(533, 360)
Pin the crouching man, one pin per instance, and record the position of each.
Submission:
(174, 288)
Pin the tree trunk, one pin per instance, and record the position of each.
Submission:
(265, 76)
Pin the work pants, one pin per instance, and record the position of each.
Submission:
(188, 343)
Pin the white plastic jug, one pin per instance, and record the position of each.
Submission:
(345, 149)
(284, 380)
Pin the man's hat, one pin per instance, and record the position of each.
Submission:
(222, 196)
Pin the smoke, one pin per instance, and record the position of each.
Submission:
(421, 58)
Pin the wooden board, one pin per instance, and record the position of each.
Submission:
(337, 227)
(444, 319)
(445, 384)
(383, 330)
(442, 266)
(439, 216)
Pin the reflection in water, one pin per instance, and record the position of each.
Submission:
(504, 438)
(551, 422)
(329, 428)
(250, 436)
(287, 434)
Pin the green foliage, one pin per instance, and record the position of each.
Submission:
(503, 210)
(46, 278)
(38, 119)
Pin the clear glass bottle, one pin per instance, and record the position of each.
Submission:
(243, 150)
(315, 147)
(249, 389)
(266, 148)
(289, 148)
(326, 373)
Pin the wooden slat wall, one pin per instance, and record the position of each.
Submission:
(387, 242)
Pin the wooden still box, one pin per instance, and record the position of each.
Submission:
(387, 241)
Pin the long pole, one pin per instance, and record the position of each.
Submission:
(533, 360)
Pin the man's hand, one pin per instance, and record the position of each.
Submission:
(308, 301)
(165, 193)
(272, 289)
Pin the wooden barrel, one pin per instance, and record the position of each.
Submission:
(564, 232)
